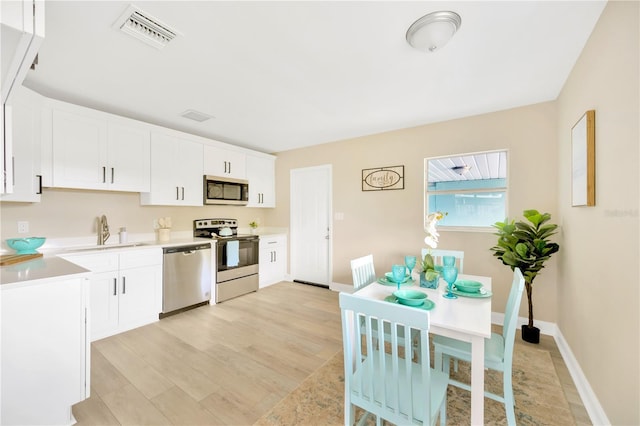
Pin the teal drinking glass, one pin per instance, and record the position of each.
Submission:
(449, 274)
(410, 261)
(398, 273)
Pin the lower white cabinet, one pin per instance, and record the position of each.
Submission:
(45, 351)
(273, 259)
(126, 289)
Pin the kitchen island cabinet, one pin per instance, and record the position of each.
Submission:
(45, 348)
(176, 171)
(273, 259)
(262, 183)
(126, 289)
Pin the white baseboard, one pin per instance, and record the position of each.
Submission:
(589, 400)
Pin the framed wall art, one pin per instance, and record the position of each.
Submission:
(583, 161)
(383, 178)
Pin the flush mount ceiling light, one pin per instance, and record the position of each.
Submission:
(461, 169)
(433, 31)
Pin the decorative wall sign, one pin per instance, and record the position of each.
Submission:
(383, 178)
(583, 161)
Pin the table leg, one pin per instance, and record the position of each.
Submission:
(477, 381)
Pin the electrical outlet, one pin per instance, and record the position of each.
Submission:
(23, 227)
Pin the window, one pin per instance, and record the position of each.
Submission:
(470, 188)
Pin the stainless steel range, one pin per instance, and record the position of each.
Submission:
(237, 257)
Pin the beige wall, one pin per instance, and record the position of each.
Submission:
(389, 224)
(72, 213)
(598, 291)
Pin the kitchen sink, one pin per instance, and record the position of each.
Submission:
(109, 247)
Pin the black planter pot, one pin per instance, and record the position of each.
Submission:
(531, 335)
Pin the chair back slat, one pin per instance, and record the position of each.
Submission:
(439, 254)
(385, 380)
(362, 271)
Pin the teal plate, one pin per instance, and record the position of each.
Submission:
(385, 281)
(427, 306)
(482, 295)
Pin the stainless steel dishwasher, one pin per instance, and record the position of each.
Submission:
(186, 277)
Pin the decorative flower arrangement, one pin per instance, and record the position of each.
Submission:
(162, 223)
(431, 240)
(253, 224)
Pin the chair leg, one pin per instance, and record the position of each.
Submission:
(443, 413)
(509, 401)
(349, 413)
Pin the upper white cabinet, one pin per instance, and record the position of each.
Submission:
(25, 114)
(94, 150)
(176, 171)
(21, 34)
(224, 162)
(262, 184)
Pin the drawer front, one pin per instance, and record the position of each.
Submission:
(270, 242)
(102, 262)
(139, 258)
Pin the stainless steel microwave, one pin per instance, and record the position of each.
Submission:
(223, 190)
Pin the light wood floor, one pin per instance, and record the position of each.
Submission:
(229, 363)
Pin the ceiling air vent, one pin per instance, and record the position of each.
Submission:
(196, 115)
(144, 27)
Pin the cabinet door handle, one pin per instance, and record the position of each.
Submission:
(124, 285)
(177, 192)
(39, 184)
(115, 286)
(104, 175)
(183, 193)
(229, 166)
(112, 175)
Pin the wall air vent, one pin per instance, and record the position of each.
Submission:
(196, 115)
(145, 28)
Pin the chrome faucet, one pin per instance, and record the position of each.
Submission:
(103, 230)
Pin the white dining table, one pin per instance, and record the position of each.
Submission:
(464, 318)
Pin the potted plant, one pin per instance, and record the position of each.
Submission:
(254, 226)
(526, 245)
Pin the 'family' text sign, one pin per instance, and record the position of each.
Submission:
(383, 178)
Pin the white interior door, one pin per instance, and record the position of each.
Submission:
(311, 225)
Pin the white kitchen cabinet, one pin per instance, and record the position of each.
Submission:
(25, 119)
(262, 181)
(224, 162)
(126, 289)
(95, 150)
(176, 172)
(45, 351)
(273, 259)
(21, 34)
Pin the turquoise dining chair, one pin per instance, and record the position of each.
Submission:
(439, 254)
(363, 271)
(383, 381)
(498, 350)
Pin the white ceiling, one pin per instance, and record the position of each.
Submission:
(282, 75)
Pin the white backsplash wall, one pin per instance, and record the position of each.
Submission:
(65, 213)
